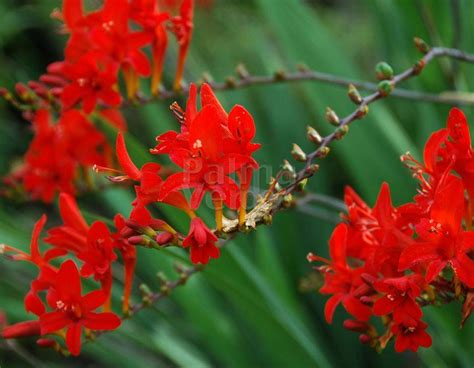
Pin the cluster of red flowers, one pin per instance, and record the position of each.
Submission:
(210, 146)
(390, 261)
(102, 45)
(64, 311)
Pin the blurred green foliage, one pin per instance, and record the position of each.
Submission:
(245, 310)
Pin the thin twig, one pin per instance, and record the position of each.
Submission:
(445, 97)
(361, 111)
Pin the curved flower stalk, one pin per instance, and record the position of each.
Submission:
(390, 261)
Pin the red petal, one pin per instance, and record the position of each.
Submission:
(102, 321)
(34, 247)
(337, 244)
(72, 12)
(448, 205)
(331, 305)
(241, 123)
(68, 282)
(52, 322)
(124, 159)
(94, 300)
(417, 253)
(459, 129)
(34, 304)
(73, 339)
(355, 307)
(71, 214)
(209, 98)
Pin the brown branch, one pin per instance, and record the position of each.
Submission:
(245, 80)
(264, 209)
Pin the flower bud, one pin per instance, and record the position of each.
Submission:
(288, 167)
(364, 339)
(421, 45)
(313, 135)
(357, 326)
(47, 343)
(323, 152)
(267, 219)
(145, 290)
(303, 68)
(383, 71)
(362, 111)
(354, 94)
(298, 153)
(301, 185)
(313, 169)
(207, 77)
(22, 329)
(280, 75)
(341, 131)
(242, 71)
(418, 67)
(385, 87)
(136, 240)
(332, 117)
(230, 82)
(288, 201)
(164, 238)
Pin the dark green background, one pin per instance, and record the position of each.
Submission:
(245, 310)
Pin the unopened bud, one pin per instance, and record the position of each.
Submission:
(164, 238)
(279, 75)
(46, 343)
(312, 169)
(22, 329)
(302, 67)
(207, 77)
(421, 45)
(332, 117)
(354, 94)
(313, 135)
(341, 131)
(288, 201)
(298, 153)
(362, 111)
(146, 294)
(288, 167)
(418, 67)
(242, 71)
(267, 219)
(162, 279)
(358, 326)
(385, 87)
(136, 240)
(383, 71)
(364, 339)
(323, 152)
(230, 82)
(302, 184)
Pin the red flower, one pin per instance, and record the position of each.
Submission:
(410, 334)
(442, 240)
(343, 282)
(202, 242)
(74, 311)
(209, 148)
(92, 80)
(400, 294)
